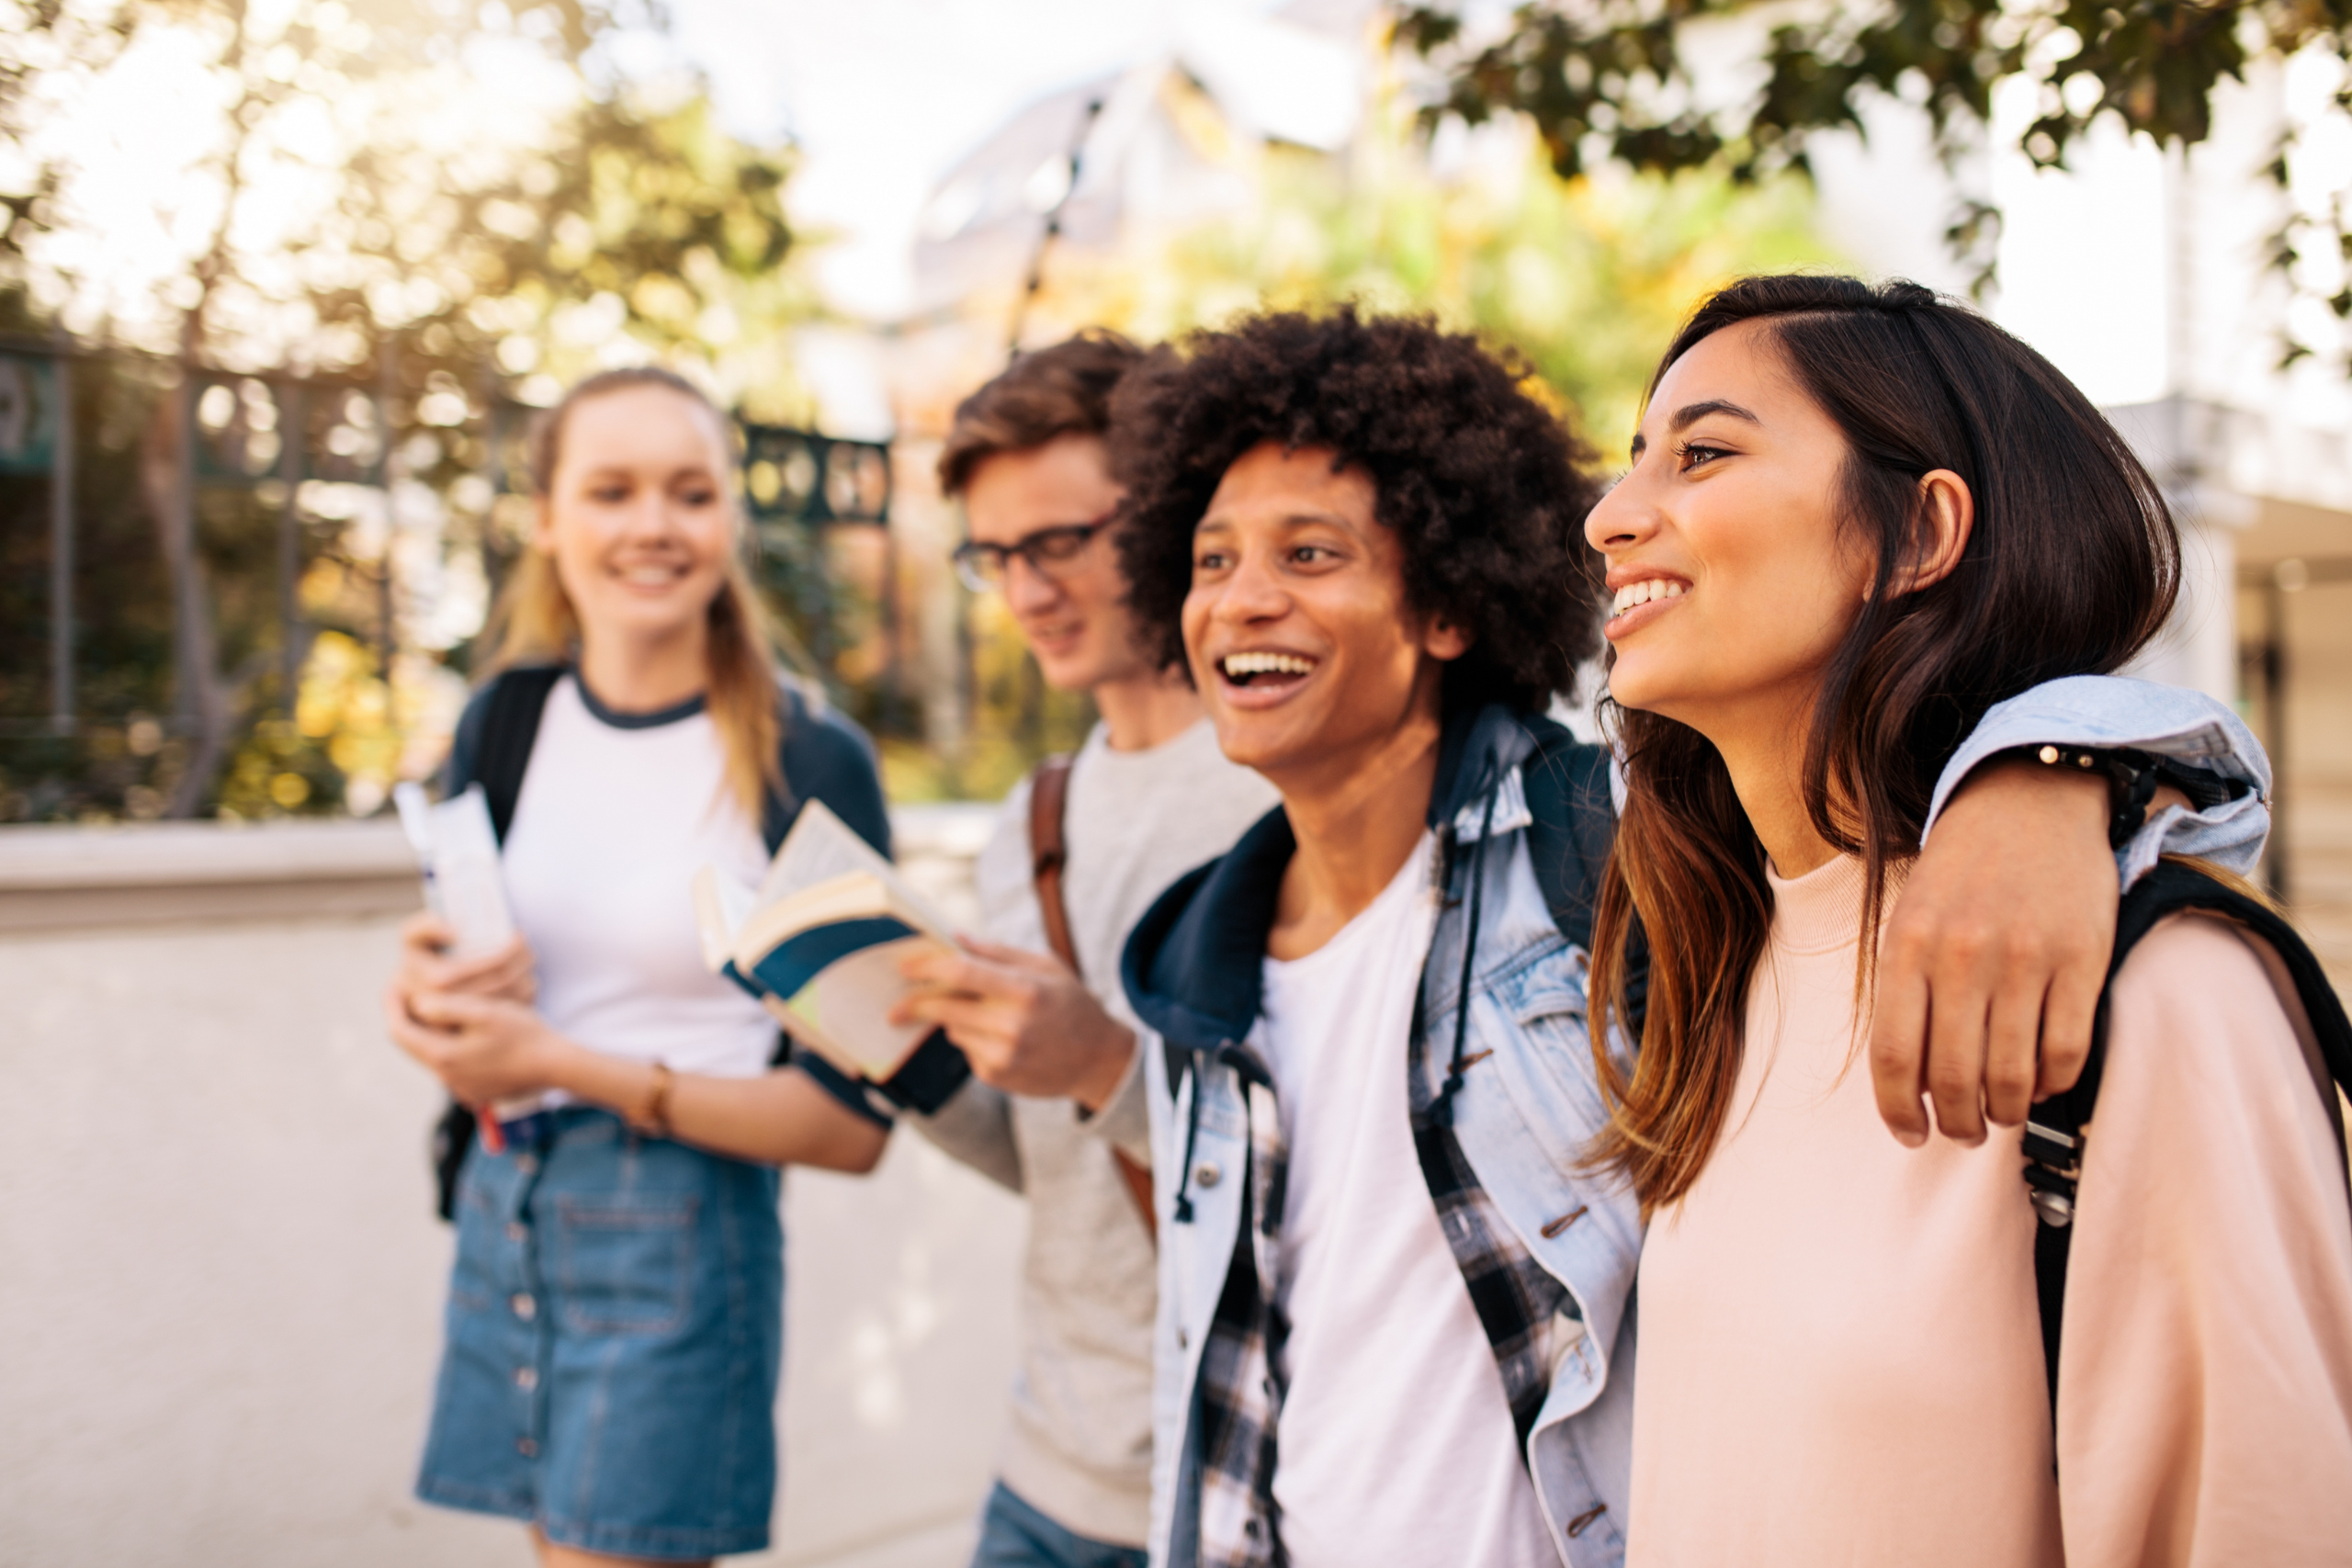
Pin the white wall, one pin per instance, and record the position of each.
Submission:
(220, 1278)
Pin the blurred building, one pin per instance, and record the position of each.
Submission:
(1164, 143)
(1151, 148)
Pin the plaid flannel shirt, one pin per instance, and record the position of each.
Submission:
(1241, 1378)
(1240, 1387)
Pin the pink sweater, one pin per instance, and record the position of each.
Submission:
(1840, 1359)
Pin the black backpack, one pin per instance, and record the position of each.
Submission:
(2053, 1138)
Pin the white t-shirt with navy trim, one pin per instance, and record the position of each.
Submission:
(616, 814)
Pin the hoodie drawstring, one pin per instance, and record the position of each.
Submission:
(1441, 1108)
(1182, 1212)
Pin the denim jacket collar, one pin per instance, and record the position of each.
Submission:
(1194, 965)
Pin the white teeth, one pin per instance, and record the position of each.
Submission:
(1635, 593)
(1266, 664)
(652, 576)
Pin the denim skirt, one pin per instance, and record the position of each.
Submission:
(615, 1332)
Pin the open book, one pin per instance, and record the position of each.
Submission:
(820, 939)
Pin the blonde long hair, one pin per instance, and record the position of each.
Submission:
(534, 621)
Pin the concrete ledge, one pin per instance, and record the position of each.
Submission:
(168, 873)
(175, 873)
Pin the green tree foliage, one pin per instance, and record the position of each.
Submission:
(1582, 279)
(426, 208)
(1623, 81)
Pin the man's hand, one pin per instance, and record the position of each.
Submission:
(1023, 1019)
(482, 1048)
(427, 966)
(1995, 954)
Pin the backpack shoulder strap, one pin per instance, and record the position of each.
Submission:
(501, 751)
(1049, 856)
(2053, 1134)
(1048, 804)
(510, 726)
(1574, 822)
(1567, 783)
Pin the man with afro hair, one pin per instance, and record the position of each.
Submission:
(1396, 1312)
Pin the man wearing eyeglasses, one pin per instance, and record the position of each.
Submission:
(1057, 1106)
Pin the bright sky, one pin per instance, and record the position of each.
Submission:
(884, 96)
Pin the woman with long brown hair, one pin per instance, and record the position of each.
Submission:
(616, 1310)
(1856, 520)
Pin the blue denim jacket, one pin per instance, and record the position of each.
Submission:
(1529, 1104)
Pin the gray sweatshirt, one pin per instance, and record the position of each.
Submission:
(1078, 1448)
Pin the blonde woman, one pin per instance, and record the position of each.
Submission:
(616, 1310)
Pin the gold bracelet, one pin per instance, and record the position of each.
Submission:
(655, 1118)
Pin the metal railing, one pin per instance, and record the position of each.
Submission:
(270, 433)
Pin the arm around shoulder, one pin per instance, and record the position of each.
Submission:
(2109, 712)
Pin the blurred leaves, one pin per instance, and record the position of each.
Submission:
(1643, 83)
(1583, 279)
(438, 211)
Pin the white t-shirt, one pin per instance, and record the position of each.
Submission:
(1394, 1441)
(612, 823)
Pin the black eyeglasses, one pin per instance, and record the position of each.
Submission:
(1050, 552)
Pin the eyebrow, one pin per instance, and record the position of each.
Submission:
(1288, 520)
(1690, 414)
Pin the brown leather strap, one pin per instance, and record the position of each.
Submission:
(1049, 801)
(1048, 805)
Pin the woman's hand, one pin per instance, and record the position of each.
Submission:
(1025, 1022)
(482, 1048)
(1994, 954)
(426, 964)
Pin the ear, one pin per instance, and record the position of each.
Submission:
(1445, 642)
(1947, 516)
(542, 525)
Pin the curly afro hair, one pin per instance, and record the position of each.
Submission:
(1480, 481)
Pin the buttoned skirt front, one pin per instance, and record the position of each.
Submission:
(613, 1339)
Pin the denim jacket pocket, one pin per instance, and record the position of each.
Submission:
(626, 1263)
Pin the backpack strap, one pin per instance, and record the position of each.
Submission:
(501, 753)
(510, 727)
(2053, 1132)
(1574, 823)
(1049, 856)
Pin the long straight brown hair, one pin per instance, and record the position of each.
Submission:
(534, 621)
(2072, 565)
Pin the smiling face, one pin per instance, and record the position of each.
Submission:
(1076, 620)
(1732, 580)
(1297, 626)
(636, 517)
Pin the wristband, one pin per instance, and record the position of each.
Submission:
(2132, 780)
